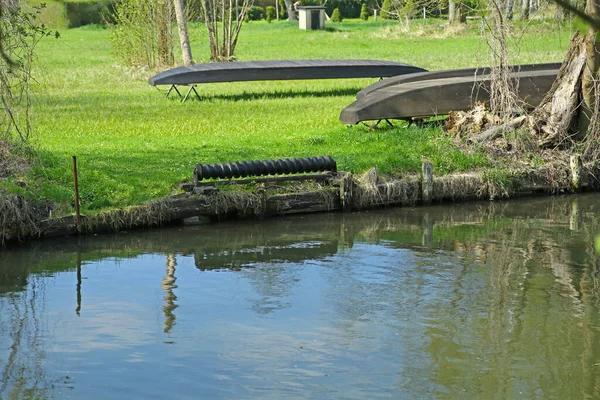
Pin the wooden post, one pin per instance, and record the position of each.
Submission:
(576, 169)
(427, 185)
(346, 197)
(77, 213)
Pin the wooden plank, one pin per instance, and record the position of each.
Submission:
(455, 73)
(440, 96)
(280, 70)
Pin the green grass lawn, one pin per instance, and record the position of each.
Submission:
(133, 145)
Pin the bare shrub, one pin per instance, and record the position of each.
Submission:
(223, 20)
(18, 218)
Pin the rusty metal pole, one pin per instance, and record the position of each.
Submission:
(77, 214)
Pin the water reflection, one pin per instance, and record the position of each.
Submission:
(495, 300)
(78, 309)
(168, 284)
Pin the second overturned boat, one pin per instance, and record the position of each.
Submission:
(434, 93)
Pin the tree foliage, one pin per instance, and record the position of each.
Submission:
(387, 10)
(364, 13)
(270, 14)
(142, 33)
(255, 13)
(336, 16)
(282, 9)
(20, 35)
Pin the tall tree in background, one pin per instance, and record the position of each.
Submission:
(184, 39)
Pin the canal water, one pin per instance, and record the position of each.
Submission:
(483, 300)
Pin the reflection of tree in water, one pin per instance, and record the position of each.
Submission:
(514, 312)
(541, 308)
(22, 370)
(168, 284)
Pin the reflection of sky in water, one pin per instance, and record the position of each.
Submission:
(478, 318)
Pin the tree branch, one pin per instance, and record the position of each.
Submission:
(3, 54)
(594, 22)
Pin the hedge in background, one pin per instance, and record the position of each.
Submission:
(71, 14)
(271, 14)
(348, 8)
(255, 13)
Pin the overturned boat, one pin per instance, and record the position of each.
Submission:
(428, 94)
(281, 70)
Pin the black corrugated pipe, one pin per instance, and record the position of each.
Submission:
(265, 167)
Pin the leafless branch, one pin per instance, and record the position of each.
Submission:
(593, 21)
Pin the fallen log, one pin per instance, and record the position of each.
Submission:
(499, 130)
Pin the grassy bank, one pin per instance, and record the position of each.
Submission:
(133, 145)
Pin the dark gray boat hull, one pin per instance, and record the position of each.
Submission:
(431, 97)
(455, 73)
(281, 70)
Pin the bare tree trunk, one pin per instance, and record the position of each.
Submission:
(525, 9)
(184, 39)
(290, 9)
(553, 120)
(456, 12)
(504, 99)
(589, 80)
(510, 5)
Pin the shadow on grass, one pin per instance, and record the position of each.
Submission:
(283, 94)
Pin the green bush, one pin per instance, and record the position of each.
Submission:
(364, 13)
(270, 14)
(282, 10)
(387, 10)
(348, 8)
(336, 16)
(255, 13)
